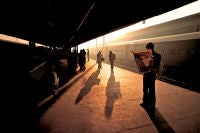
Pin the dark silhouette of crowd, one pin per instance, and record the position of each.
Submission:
(82, 59)
(59, 67)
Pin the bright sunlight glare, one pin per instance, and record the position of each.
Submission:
(184, 11)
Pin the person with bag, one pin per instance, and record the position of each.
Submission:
(99, 60)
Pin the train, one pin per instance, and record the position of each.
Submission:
(178, 42)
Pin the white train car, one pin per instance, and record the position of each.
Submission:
(177, 40)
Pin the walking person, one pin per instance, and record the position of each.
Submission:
(88, 55)
(112, 58)
(149, 94)
(99, 60)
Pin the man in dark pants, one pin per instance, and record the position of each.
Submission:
(112, 57)
(149, 95)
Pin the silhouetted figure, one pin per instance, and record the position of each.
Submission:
(88, 55)
(149, 95)
(49, 80)
(99, 59)
(112, 58)
(82, 59)
(73, 62)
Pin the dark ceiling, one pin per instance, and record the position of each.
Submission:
(70, 22)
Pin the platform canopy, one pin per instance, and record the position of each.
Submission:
(67, 23)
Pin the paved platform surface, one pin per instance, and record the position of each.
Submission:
(109, 102)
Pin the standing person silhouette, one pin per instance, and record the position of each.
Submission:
(99, 59)
(82, 59)
(88, 55)
(112, 57)
(149, 95)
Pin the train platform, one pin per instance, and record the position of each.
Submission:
(102, 101)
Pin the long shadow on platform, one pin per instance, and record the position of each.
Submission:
(113, 93)
(46, 103)
(92, 80)
(158, 120)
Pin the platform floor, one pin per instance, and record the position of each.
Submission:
(109, 102)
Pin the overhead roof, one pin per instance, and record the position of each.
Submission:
(70, 22)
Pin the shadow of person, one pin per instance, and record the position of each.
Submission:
(92, 80)
(112, 93)
(158, 120)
